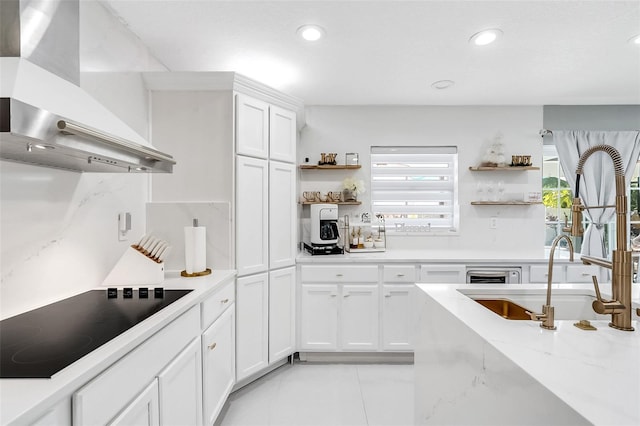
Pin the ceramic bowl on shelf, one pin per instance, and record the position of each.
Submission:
(378, 243)
(368, 244)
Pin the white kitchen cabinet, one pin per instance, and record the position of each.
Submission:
(282, 318)
(398, 317)
(218, 349)
(579, 273)
(252, 324)
(252, 127)
(358, 324)
(339, 317)
(143, 410)
(252, 215)
(319, 317)
(453, 274)
(108, 394)
(282, 134)
(265, 320)
(180, 388)
(282, 215)
(339, 308)
(399, 273)
(540, 273)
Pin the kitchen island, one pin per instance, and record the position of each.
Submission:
(475, 367)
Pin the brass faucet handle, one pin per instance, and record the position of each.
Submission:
(602, 306)
(546, 317)
(535, 316)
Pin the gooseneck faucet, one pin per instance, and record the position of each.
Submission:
(621, 262)
(547, 315)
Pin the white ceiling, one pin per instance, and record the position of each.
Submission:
(389, 52)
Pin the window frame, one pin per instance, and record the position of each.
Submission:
(417, 226)
(610, 227)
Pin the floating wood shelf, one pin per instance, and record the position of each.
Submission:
(505, 203)
(329, 167)
(346, 203)
(503, 169)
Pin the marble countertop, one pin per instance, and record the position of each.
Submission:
(19, 396)
(597, 373)
(435, 256)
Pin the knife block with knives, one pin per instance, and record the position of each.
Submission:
(140, 264)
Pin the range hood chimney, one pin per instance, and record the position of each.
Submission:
(46, 119)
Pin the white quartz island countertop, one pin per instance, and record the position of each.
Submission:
(475, 367)
(19, 398)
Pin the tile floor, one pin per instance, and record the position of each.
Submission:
(325, 394)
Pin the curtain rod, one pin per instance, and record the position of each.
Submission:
(545, 132)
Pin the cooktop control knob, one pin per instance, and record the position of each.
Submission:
(127, 292)
(112, 293)
(143, 293)
(158, 292)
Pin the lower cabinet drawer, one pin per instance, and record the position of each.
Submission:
(339, 273)
(540, 274)
(399, 274)
(217, 303)
(582, 273)
(99, 401)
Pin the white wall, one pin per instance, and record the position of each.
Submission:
(58, 231)
(520, 231)
(196, 127)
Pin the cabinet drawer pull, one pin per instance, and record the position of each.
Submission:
(338, 275)
(399, 275)
(387, 295)
(224, 301)
(213, 346)
(333, 294)
(347, 295)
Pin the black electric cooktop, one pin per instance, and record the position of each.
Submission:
(39, 343)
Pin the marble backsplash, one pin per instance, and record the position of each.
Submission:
(166, 220)
(59, 231)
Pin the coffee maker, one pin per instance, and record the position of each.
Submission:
(324, 230)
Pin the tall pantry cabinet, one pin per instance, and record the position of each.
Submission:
(235, 140)
(265, 200)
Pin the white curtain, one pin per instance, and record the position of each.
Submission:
(597, 183)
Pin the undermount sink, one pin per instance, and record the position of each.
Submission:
(512, 304)
(505, 308)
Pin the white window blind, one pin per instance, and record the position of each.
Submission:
(416, 188)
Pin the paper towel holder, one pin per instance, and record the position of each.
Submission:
(204, 272)
(196, 274)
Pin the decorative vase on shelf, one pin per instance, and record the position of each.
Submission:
(349, 195)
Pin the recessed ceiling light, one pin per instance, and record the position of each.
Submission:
(311, 32)
(635, 40)
(484, 37)
(442, 84)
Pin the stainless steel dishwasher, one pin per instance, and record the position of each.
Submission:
(494, 275)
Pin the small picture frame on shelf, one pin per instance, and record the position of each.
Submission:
(351, 159)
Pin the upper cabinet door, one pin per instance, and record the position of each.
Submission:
(252, 215)
(252, 127)
(282, 135)
(282, 215)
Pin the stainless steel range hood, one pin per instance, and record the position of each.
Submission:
(46, 119)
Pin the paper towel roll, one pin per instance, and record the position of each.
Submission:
(195, 249)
